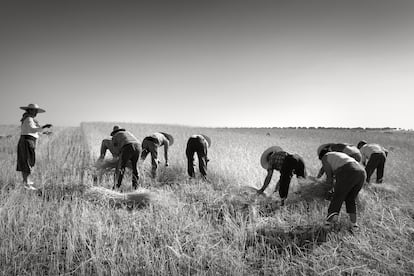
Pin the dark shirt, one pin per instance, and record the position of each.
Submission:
(277, 159)
(123, 138)
(290, 164)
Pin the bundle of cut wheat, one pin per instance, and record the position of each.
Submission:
(139, 198)
(311, 189)
(106, 164)
(96, 194)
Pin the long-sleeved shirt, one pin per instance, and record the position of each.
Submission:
(287, 164)
(368, 149)
(276, 160)
(31, 127)
(123, 138)
(332, 161)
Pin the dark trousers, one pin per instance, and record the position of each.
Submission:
(130, 152)
(150, 145)
(286, 174)
(284, 183)
(199, 146)
(376, 162)
(26, 157)
(349, 181)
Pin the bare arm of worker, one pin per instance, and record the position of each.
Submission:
(266, 181)
(321, 172)
(166, 146)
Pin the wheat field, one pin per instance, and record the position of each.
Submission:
(193, 227)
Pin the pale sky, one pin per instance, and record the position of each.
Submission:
(213, 63)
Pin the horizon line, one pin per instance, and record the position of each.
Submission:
(230, 127)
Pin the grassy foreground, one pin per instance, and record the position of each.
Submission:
(194, 227)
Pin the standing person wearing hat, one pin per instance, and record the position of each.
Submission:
(349, 149)
(275, 158)
(199, 144)
(151, 143)
(347, 177)
(373, 158)
(30, 129)
(129, 149)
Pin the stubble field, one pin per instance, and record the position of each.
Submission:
(193, 227)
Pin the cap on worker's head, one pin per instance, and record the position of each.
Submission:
(264, 159)
(116, 129)
(361, 144)
(169, 137)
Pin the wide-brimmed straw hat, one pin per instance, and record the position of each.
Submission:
(116, 129)
(169, 138)
(322, 147)
(33, 106)
(264, 159)
(207, 139)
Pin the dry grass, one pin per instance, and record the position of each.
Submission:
(219, 227)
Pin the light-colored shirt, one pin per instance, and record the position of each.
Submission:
(162, 140)
(368, 149)
(31, 127)
(353, 152)
(332, 161)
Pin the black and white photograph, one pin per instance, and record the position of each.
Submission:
(266, 137)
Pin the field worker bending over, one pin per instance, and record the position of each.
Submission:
(112, 163)
(129, 149)
(274, 158)
(346, 176)
(151, 143)
(373, 158)
(103, 165)
(30, 129)
(349, 149)
(198, 144)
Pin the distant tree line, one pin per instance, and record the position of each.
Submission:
(346, 128)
